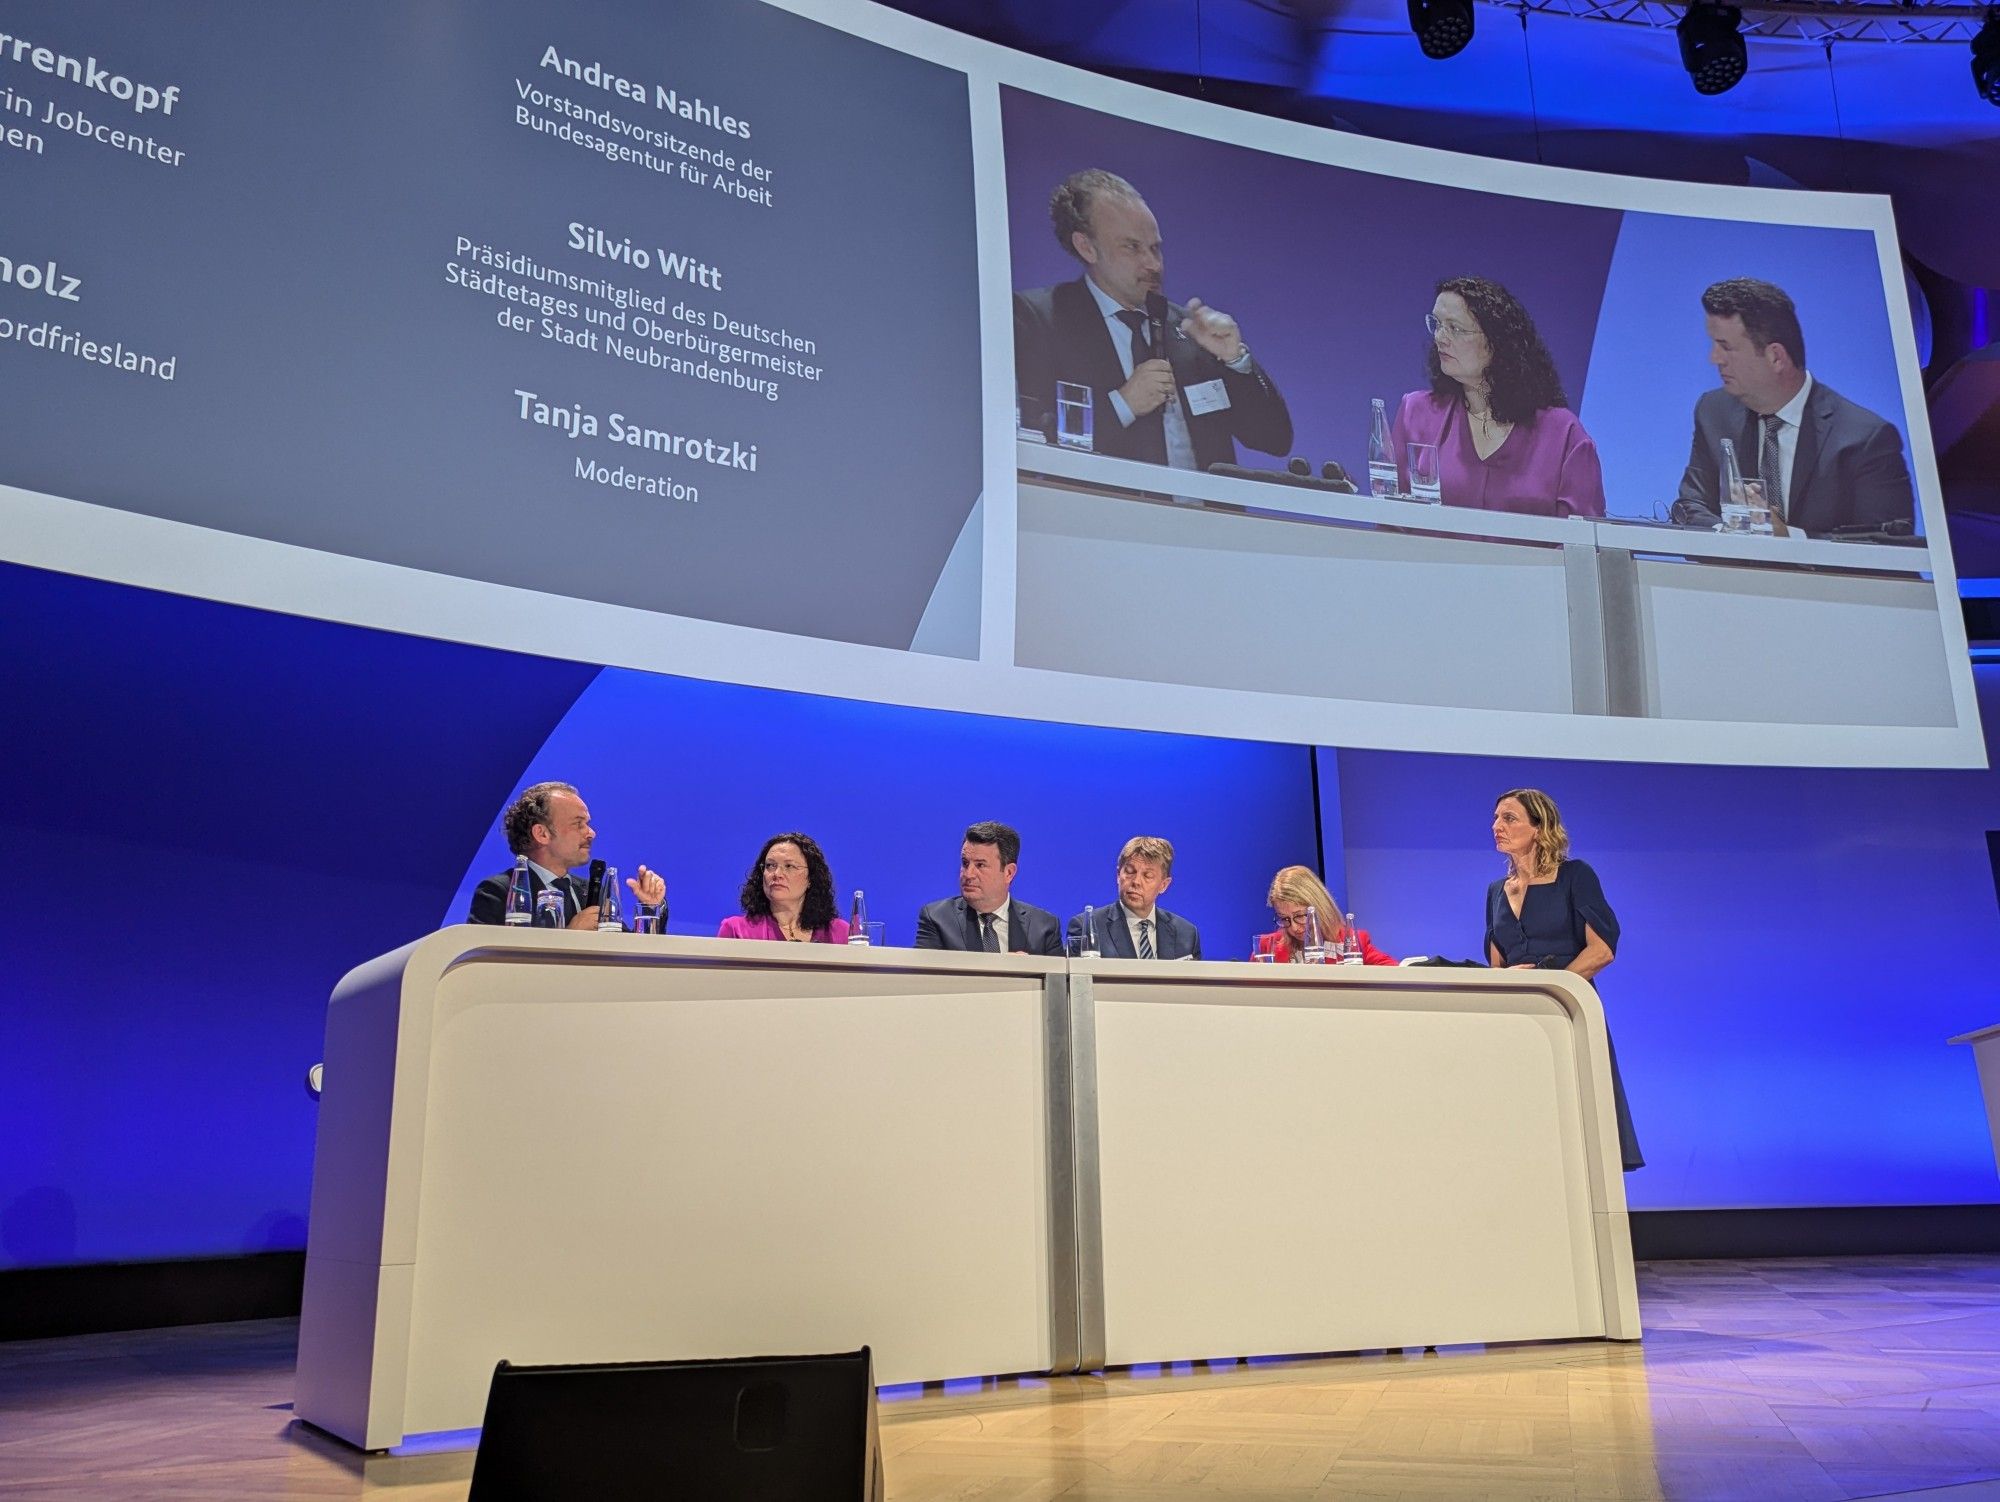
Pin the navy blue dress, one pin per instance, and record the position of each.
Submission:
(1550, 929)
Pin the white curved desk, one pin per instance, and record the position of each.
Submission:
(554, 1147)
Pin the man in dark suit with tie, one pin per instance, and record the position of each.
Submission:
(1138, 928)
(1826, 462)
(986, 915)
(1187, 404)
(550, 824)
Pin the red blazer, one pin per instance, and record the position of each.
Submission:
(1274, 944)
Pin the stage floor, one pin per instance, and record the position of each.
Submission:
(1863, 1377)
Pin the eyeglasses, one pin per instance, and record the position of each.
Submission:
(1452, 331)
(784, 868)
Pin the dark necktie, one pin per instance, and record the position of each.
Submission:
(1770, 466)
(1142, 344)
(1145, 938)
(989, 938)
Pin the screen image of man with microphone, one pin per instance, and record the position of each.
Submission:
(1170, 383)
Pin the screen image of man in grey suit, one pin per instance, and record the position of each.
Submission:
(1826, 462)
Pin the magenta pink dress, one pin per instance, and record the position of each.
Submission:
(1547, 467)
(766, 927)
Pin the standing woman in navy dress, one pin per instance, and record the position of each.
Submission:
(1548, 913)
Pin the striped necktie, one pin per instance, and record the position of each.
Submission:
(1770, 465)
(1145, 938)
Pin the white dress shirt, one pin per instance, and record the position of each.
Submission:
(1132, 922)
(1180, 445)
(999, 916)
(1789, 416)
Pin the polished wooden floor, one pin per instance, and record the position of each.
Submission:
(1867, 1377)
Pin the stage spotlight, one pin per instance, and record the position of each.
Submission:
(1443, 27)
(1986, 57)
(1712, 48)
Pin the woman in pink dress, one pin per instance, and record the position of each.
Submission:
(1506, 438)
(788, 895)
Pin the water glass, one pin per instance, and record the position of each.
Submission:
(874, 928)
(549, 909)
(646, 918)
(1259, 955)
(1073, 416)
(1425, 485)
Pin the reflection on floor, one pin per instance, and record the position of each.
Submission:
(1865, 1377)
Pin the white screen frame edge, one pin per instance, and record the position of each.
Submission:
(69, 536)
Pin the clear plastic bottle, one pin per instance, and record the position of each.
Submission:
(609, 917)
(1381, 462)
(1350, 943)
(1729, 480)
(857, 919)
(1312, 943)
(1087, 945)
(521, 895)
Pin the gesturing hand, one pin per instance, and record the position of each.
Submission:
(1213, 330)
(648, 887)
(1150, 388)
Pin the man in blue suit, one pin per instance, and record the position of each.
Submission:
(1138, 928)
(985, 915)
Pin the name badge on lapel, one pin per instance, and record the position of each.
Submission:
(1207, 396)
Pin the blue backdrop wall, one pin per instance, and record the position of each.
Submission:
(226, 809)
(1798, 945)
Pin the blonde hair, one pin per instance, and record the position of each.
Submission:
(1551, 839)
(1149, 847)
(1302, 884)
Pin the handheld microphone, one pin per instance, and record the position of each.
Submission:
(1156, 324)
(594, 893)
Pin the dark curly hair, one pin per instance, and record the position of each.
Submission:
(1521, 376)
(528, 810)
(1768, 314)
(819, 909)
(1070, 204)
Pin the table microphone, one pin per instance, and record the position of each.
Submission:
(1334, 475)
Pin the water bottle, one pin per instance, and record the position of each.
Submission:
(521, 895)
(1735, 510)
(857, 920)
(608, 917)
(1350, 944)
(1312, 943)
(1381, 462)
(549, 909)
(1087, 945)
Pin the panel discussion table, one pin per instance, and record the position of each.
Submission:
(542, 1146)
(1608, 617)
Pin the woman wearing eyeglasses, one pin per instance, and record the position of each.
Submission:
(788, 895)
(1506, 438)
(1294, 891)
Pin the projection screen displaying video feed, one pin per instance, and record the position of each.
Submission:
(809, 346)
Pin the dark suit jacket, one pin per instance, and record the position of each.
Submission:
(950, 924)
(1848, 468)
(489, 898)
(1174, 938)
(1060, 335)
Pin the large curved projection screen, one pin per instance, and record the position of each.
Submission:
(734, 339)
